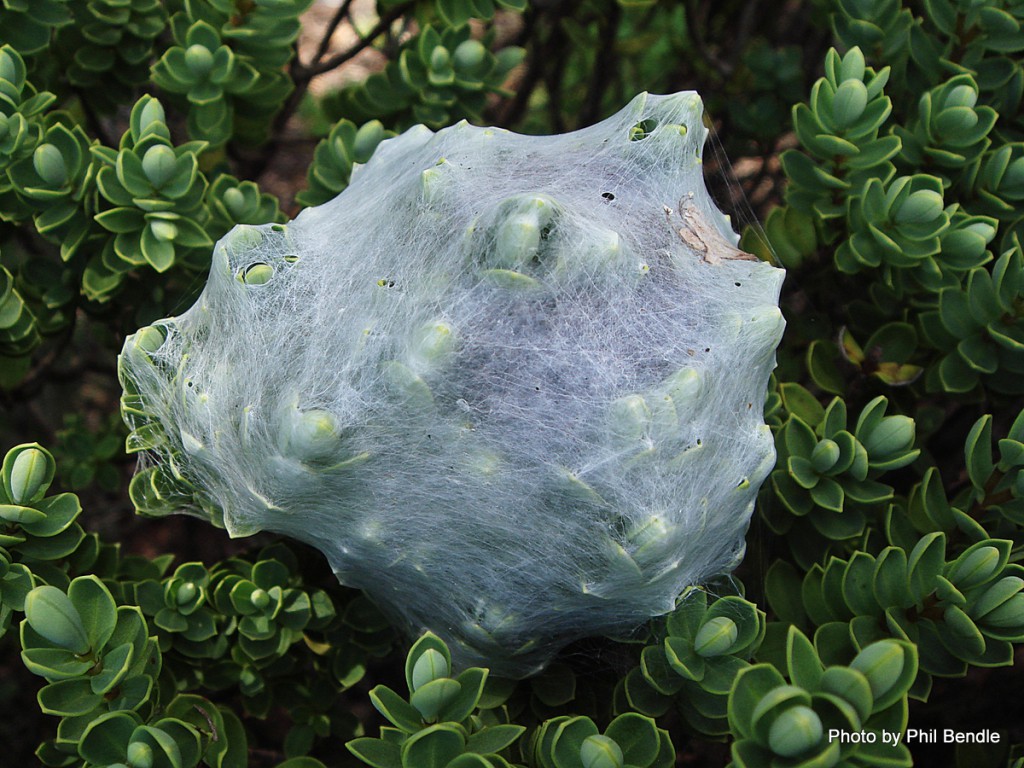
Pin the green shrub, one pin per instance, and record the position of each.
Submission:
(884, 574)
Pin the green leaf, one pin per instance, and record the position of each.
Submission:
(979, 563)
(752, 685)
(642, 697)
(658, 672)
(568, 741)
(59, 511)
(106, 738)
(53, 663)
(436, 695)
(396, 709)
(51, 614)
(96, 607)
(376, 752)
(683, 658)
(237, 752)
(467, 760)
(67, 698)
(925, 564)
(891, 585)
(851, 686)
(978, 452)
(494, 738)
(828, 494)
(637, 737)
(13, 513)
(116, 665)
(471, 683)
(433, 747)
(890, 667)
(801, 403)
(555, 686)
(805, 669)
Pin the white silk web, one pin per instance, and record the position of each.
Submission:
(510, 386)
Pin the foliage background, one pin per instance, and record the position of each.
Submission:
(892, 195)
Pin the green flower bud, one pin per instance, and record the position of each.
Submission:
(1009, 614)
(600, 752)
(995, 595)
(894, 434)
(186, 593)
(716, 637)
(50, 165)
(795, 731)
(29, 475)
(153, 112)
(977, 568)
(685, 387)
(961, 96)
(440, 58)
(52, 615)
(260, 599)
(469, 54)
(651, 532)
(234, 201)
(920, 207)
(518, 241)
(158, 164)
(881, 663)
(852, 66)
(430, 666)
(825, 455)
(849, 102)
(140, 755)
(163, 230)
(367, 138)
(199, 59)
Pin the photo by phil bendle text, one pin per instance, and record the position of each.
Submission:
(916, 736)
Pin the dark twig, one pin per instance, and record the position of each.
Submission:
(332, 27)
(553, 81)
(385, 21)
(302, 75)
(515, 108)
(603, 69)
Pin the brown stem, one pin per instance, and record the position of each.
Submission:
(991, 498)
(385, 21)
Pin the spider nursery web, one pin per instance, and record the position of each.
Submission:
(511, 386)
